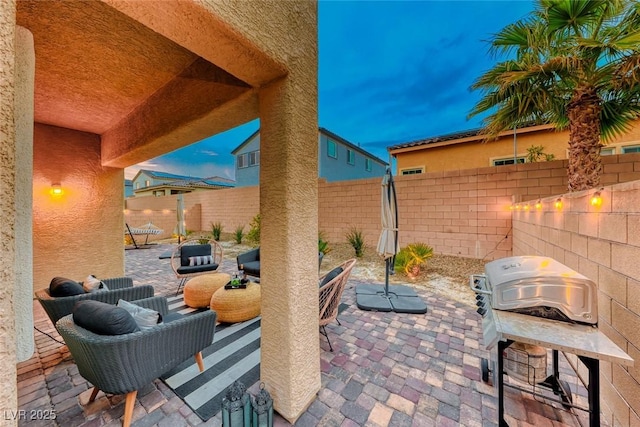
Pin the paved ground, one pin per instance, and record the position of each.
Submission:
(387, 369)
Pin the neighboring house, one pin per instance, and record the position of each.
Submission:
(154, 183)
(338, 160)
(466, 150)
(128, 188)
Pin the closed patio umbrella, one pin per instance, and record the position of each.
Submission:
(397, 298)
(388, 241)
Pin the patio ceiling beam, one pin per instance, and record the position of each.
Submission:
(204, 29)
(190, 108)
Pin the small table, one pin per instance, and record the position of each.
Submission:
(237, 305)
(198, 290)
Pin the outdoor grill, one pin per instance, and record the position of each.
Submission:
(530, 304)
(537, 286)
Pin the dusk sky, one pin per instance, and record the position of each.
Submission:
(389, 72)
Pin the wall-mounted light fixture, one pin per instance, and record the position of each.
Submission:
(538, 205)
(56, 190)
(558, 203)
(596, 199)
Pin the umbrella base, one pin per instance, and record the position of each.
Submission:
(399, 299)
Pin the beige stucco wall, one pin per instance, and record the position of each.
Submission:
(82, 229)
(25, 79)
(8, 392)
(602, 243)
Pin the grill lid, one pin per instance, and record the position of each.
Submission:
(541, 286)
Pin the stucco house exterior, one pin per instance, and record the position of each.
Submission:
(156, 183)
(91, 88)
(467, 149)
(338, 160)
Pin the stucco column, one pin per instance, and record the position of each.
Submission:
(23, 289)
(290, 360)
(8, 392)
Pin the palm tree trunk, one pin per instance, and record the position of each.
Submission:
(585, 164)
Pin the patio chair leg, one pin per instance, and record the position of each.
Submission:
(323, 331)
(94, 393)
(130, 402)
(180, 285)
(199, 361)
(338, 320)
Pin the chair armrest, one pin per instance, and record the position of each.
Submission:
(248, 256)
(61, 306)
(118, 282)
(120, 364)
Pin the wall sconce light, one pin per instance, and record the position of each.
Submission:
(56, 190)
(538, 205)
(558, 203)
(596, 199)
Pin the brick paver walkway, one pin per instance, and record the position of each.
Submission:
(387, 369)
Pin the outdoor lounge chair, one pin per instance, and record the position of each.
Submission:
(122, 364)
(330, 292)
(119, 288)
(195, 257)
(250, 262)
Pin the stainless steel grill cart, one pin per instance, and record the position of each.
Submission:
(541, 302)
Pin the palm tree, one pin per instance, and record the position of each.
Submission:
(572, 63)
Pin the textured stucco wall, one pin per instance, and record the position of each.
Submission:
(602, 243)
(8, 392)
(83, 229)
(25, 79)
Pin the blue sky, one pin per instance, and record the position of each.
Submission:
(389, 72)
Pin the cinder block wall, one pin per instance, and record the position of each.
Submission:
(464, 212)
(602, 243)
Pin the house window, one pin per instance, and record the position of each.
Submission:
(137, 185)
(254, 158)
(147, 183)
(351, 157)
(332, 149)
(608, 151)
(242, 161)
(158, 193)
(412, 171)
(367, 165)
(508, 161)
(631, 149)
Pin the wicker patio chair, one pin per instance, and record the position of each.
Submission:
(122, 364)
(330, 292)
(119, 288)
(186, 259)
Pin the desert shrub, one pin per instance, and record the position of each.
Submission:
(412, 258)
(356, 240)
(254, 230)
(238, 234)
(216, 230)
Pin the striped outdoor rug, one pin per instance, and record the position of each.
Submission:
(233, 355)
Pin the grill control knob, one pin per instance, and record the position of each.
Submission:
(480, 303)
(481, 311)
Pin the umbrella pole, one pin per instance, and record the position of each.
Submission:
(386, 277)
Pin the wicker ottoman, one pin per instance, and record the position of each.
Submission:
(198, 291)
(236, 305)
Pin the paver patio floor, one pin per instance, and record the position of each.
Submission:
(387, 369)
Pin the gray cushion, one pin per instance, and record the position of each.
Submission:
(145, 317)
(188, 251)
(103, 319)
(63, 287)
(331, 275)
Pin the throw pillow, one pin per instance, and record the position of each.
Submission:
(103, 319)
(63, 287)
(93, 284)
(330, 276)
(200, 260)
(145, 317)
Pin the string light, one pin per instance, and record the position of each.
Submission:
(558, 203)
(538, 205)
(596, 199)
